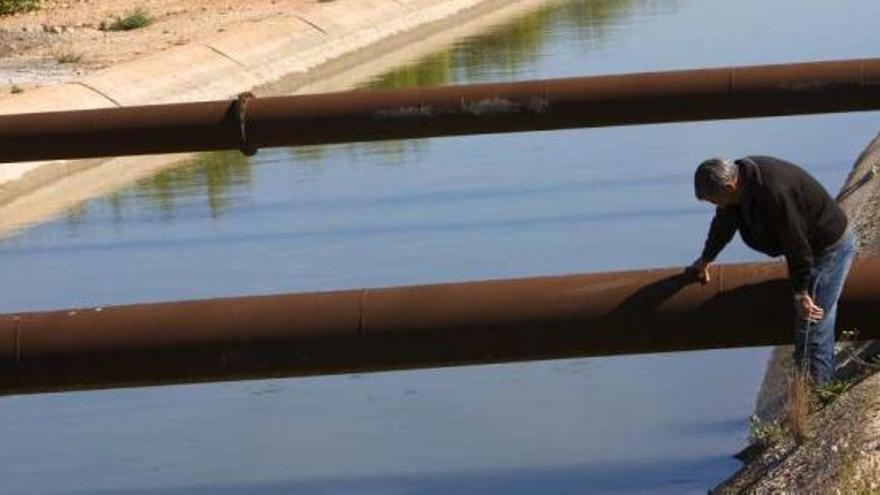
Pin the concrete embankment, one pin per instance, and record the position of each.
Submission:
(842, 455)
(338, 42)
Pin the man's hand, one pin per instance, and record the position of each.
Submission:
(807, 308)
(700, 269)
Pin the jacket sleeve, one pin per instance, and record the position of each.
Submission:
(720, 233)
(794, 241)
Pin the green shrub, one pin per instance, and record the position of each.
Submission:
(15, 6)
(135, 19)
(831, 390)
(765, 434)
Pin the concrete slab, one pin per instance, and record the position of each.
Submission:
(276, 49)
(188, 73)
(71, 96)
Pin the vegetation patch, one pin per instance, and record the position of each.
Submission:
(765, 434)
(830, 391)
(16, 89)
(8, 7)
(136, 19)
(68, 57)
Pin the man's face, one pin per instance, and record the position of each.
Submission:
(726, 197)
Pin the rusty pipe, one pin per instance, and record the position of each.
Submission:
(251, 123)
(412, 327)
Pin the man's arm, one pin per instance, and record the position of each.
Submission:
(792, 229)
(798, 256)
(720, 233)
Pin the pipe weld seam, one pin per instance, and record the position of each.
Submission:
(17, 339)
(362, 313)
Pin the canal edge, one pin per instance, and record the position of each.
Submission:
(321, 43)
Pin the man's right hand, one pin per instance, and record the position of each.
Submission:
(700, 269)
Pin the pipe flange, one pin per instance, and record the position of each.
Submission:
(240, 112)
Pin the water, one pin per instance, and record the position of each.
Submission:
(425, 211)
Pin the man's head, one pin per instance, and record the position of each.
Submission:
(717, 181)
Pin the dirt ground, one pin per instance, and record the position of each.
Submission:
(63, 40)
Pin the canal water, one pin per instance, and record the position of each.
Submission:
(435, 210)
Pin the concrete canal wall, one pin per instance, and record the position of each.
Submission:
(322, 41)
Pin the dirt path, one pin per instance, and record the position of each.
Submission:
(67, 39)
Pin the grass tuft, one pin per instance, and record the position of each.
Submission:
(765, 434)
(68, 57)
(831, 390)
(8, 7)
(798, 405)
(16, 89)
(136, 19)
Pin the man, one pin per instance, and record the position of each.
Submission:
(779, 209)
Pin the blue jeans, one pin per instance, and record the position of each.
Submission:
(815, 341)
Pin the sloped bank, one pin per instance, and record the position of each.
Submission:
(321, 41)
(843, 453)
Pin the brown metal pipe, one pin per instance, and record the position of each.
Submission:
(412, 327)
(249, 124)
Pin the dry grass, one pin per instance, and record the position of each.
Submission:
(799, 403)
(68, 57)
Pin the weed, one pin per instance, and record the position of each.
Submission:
(135, 19)
(16, 89)
(68, 57)
(765, 434)
(8, 7)
(799, 403)
(831, 390)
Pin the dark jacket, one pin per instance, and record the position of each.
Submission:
(784, 211)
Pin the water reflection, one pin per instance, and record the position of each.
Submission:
(498, 54)
(216, 178)
(672, 476)
(502, 52)
(359, 232)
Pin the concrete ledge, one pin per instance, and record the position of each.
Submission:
(71, 96)
(265, 55)
(236, 61)
(225, 65)
(178, 75)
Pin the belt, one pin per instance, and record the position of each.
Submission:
(836, 244)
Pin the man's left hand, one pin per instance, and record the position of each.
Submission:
(807, 308)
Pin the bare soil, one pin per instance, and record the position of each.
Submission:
(64, 41)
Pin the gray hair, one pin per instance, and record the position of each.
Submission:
(711, 175)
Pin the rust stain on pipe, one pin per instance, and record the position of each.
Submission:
(644, 98)
(412, 327)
